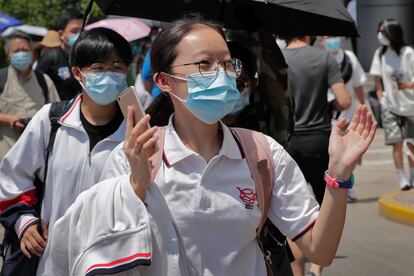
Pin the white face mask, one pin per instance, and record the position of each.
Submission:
(281, 43)
(382, 39)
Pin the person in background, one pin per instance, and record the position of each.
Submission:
(393, 68)
(23, 91)
(147, 76)
(311, 72)
(91, 127)
(55, 62)
(144, 96)
(354, 78)
(245, 115)
(50, 40)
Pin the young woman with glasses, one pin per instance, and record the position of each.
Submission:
(199, 216)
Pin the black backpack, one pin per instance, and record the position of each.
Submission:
(14, 261)
(4, 73)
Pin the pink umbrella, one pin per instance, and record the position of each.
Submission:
(130, 28)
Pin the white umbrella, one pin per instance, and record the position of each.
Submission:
(28, 29)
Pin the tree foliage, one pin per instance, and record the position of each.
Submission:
(45, 12)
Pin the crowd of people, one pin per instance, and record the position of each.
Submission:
(194, 187)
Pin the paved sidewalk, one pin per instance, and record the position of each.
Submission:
(371, 243)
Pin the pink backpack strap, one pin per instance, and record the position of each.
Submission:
(156, 158)
(260, 161)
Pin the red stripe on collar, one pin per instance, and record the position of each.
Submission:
(71, 109)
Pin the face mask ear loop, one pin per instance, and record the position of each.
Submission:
(83, 75)
(175, 77)
(172, 93)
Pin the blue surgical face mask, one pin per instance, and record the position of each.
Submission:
(21, 60)
(72, 39)
(104, 87)
(242, 102)
(211, 96)
(333, 44)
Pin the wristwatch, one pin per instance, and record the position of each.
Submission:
(336, 184)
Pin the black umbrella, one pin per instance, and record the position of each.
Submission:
(282, 17)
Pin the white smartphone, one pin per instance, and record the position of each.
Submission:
(129, 98)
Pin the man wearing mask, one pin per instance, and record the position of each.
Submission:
(22, 91)
(311, 72)
(55, 62)
(354, 78)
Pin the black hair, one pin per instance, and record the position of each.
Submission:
(163, 54)
(395, 34)
(66, 16)
(16, 35)
(247, 57)
(97, 46)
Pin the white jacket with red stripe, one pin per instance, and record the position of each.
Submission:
(72, 168)
(126, 237)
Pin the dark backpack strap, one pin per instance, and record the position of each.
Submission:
(43, 85)
(4, 72)
(57, 110)
(346, 68)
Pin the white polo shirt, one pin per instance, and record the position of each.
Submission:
(211, 202)
(393, 68)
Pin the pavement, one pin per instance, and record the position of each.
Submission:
(374, 243)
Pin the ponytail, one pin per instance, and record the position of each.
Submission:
(160, 110)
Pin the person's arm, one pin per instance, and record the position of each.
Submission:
(359, 92)
(343, 99)
(109, 209)
(17, 192)
(345, 148)
(406, 85)
(334, 78)
(11, 121)
(378, 88)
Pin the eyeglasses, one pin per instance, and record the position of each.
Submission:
(115, 67)
(232, 67)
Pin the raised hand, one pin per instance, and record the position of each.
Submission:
(140, 144)
(347, 146)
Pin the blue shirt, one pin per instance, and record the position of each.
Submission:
(147, 74)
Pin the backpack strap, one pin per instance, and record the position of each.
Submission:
(346, 68)
(4, 72)
(157, 158)
(43, 85)
(57, 109)
(260, 161)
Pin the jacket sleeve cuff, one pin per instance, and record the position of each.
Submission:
(24, 222)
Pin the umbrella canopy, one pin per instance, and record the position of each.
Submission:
(28, 29)
(283, 17)
(8, 21)
(130, 28)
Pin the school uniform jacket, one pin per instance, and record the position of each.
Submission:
(72, 167)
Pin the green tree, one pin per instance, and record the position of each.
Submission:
(43, 13)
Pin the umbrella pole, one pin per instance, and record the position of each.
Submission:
(223, 5)
(87, 13)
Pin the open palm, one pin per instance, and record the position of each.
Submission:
(347, 146)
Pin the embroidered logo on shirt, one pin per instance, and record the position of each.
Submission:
(248, 196)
